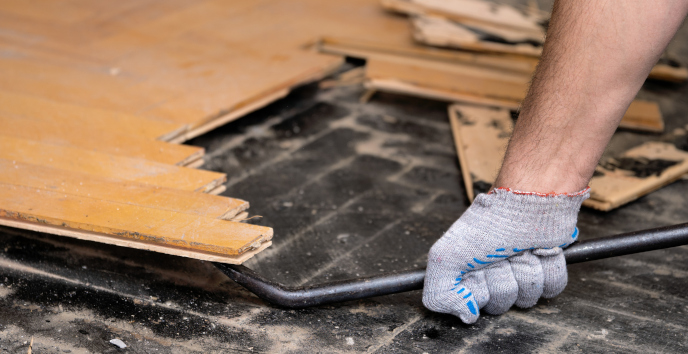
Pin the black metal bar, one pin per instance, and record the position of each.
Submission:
(391, 283)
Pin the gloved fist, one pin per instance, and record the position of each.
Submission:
(506, 249)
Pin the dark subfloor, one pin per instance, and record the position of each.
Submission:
(351, 190)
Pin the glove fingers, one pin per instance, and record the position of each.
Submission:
(458, 301)
(529, 277)
(502, 287)
(555, 275)
(475, 281)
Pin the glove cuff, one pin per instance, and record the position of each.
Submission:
(535, 219)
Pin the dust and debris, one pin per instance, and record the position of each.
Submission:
(118, 342)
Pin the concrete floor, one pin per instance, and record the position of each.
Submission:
(351, 190)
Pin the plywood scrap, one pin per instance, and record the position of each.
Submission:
(481, 136)
(120, 191)
(636, 173)
(108, 166)
(130, 225)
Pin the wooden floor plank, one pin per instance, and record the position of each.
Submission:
(90, 137)
(46, 111)
(120, 191)
(130, 222)
(108, 166)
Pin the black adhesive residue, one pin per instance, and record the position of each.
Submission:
(481, 187)
(641, 167)
(682, 142)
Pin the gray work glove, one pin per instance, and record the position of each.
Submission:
(504, 250)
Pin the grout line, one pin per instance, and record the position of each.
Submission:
(334, 262)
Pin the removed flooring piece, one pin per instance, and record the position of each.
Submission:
(480, 136)
(130, 225)
(635, 173)
(476, 85)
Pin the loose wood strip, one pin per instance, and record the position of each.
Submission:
(131, 222)
(108, 166)
(46, 111)
(439, 80)
(120, 191)
(481, 136)
(365, 49)
(90, 136)
(450, 77)
(399, 87)
(617, 187)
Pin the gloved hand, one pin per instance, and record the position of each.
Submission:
(504, 250)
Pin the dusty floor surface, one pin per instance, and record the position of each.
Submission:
(352, 190)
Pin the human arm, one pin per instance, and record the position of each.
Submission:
(596, 56)
(506, 248)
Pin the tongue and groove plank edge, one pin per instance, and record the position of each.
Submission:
(131, 222)
(120, 191)
(109, 166)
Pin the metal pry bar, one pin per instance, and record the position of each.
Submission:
(397, 282)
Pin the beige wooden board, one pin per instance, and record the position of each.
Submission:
(130, 222)
(108, 166)
(120, 191)
(618, 187)
(69, 115)
(481, 136)
(90, 137)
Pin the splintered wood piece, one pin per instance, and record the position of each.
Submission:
(108, 166)
(89, 137)
(47, 111)
(636, 173)
(644, 116)
(443, 33)
(120, 191)
(480, 136)
(136, 224)
(470, 12)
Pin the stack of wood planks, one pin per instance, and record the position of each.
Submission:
(481, 55)
(96, 95)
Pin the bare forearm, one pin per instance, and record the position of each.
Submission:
(596, 57)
